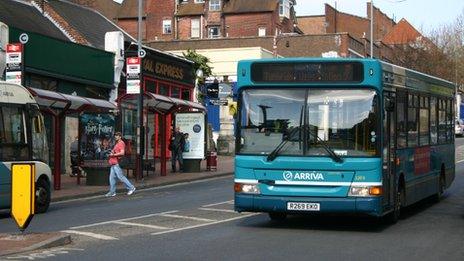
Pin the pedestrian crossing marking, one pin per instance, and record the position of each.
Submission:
(219, 210)
(139, 225)
(90, 234)
(188, 217)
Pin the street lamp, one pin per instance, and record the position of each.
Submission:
(199, 74)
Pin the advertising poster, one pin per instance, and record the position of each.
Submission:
(97, 139)
(192, 123)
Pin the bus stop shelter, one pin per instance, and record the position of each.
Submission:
(163, 106)
(58, 105)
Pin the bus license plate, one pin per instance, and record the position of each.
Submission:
(303, 206)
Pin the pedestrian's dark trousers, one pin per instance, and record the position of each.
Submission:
(176, 155)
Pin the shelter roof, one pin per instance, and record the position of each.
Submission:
(55, 100)
(162, 104)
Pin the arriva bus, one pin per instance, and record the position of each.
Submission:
(340, 135)
(22, 139)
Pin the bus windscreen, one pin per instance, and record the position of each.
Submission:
(327, 72)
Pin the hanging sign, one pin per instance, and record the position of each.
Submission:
(133, 75)
(14, 53)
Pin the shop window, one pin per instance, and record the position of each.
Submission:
(175, 92)
(186, 94)
(164, 89)
(150, 86)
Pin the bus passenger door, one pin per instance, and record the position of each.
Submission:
(388, 149)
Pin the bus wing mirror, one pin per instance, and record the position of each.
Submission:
(33, 109)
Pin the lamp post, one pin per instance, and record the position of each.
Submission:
(372, 28)
(198, 74)
(140, 127)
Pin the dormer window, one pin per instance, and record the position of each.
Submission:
(284, 8)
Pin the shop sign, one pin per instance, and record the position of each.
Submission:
(193, 123)
(97, 138)
(219, 102)
(14, 63)
(133, 65)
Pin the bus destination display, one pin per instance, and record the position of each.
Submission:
(278, 72)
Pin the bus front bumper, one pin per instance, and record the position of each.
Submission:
(258, 203)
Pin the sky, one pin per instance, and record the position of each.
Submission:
(424, 15)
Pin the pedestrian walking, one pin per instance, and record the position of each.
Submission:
(116, 154)
(177, 148)
(74, 155)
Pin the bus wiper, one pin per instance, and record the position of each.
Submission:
(279, 147)
(332, 153)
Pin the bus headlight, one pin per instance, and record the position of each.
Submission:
(365, 191)
(246, 188)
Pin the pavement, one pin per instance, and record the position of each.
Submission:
(70, 189)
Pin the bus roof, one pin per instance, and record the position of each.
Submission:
(375, 74)
(14, 93)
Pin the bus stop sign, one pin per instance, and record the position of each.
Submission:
(22, 193)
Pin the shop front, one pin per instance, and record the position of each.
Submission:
(168, 82)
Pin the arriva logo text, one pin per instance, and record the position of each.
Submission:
(290, 176)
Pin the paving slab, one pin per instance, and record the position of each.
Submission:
(24, 242)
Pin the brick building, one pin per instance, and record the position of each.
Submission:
(165, 20)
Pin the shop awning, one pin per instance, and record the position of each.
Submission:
(71, 103)
(161, 103)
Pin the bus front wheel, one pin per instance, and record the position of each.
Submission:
(393, 217)
(277, 216)
(42, 196)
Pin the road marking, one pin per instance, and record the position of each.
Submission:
(219, 210)
(205, 224)
(89, 234)
(226, 176)
(459, 161)
(219, 203)
(124, 219)
(139, 225)
(188, 217)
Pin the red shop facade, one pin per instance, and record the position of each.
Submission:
(168, 82)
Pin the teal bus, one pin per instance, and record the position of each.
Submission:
(340, 135)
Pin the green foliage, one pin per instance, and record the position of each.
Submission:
(200, 62)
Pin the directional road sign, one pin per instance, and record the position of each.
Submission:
(22, 193)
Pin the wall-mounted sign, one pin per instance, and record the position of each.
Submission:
(133, 65)
(14, 56)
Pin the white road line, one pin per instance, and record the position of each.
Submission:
(89, 234)
(219, 210)
(205, 224)
(139, 225)
(147, 189)
(124, 219)
(188, 217)
(219, 203)
(459, 161)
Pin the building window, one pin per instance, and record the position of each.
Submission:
(195, 28)
(214, 32)
(262, 31)
(183, 1)
(199, 1)
(214, 5)
(166, 26)
(284, 8)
